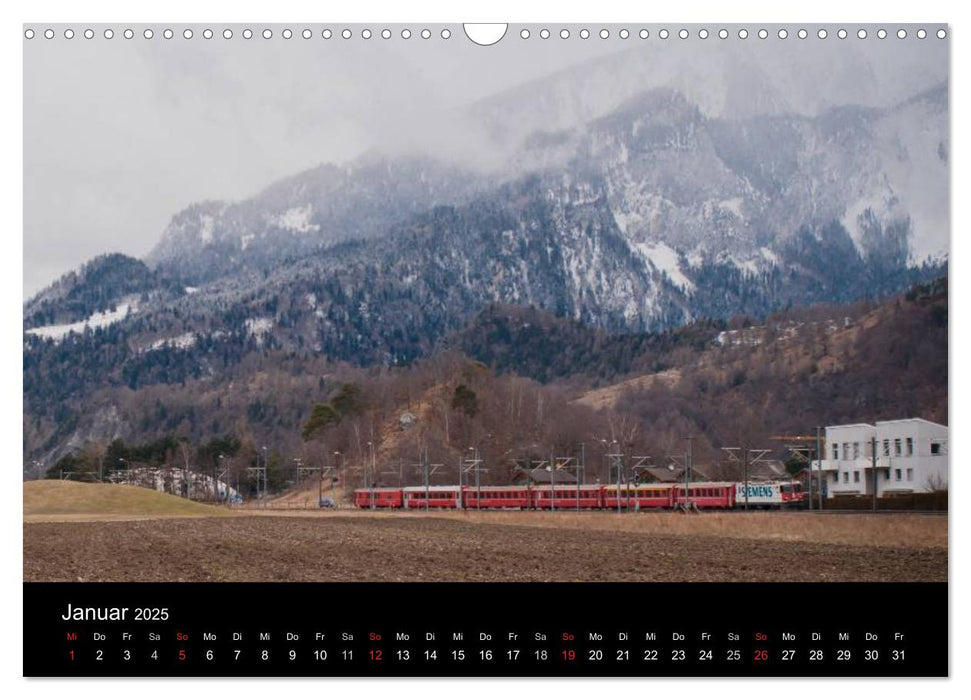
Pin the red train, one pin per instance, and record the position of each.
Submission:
(704, 495)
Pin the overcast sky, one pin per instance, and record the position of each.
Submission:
(119, 134)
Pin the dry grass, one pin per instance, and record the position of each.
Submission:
(64, 501)
(48, 501)
(891, 530)
(852, 529)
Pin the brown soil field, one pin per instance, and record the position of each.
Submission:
(365, 547)
(880, 530)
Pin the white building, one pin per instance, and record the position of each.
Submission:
(911, 458)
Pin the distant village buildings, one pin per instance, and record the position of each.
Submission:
(911, 457)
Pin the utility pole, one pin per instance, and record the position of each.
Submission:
(746, 461)
(620, 468)
(873, 462)
(617, 459)
(579, 476)
(478, 480)
(810, 492)
(819, 462)
(687, 470)
(687, 476)
(424, 467)
(215, 486)
(338, 466)
(262, 494)
(370, 471)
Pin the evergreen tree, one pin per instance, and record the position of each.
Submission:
(322, 416)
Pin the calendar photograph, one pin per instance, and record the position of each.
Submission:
(421, 304)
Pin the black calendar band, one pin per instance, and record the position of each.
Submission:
(472, 629)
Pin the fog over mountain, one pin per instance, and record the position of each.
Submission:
(193, 121)
(632, 192)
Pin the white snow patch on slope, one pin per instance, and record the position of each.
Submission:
(184, 341)
(851, 218)
(97, 320)
(259, 326)
(297, 219)
(749, 265)
(769, 256)
(244, 241)
(665, 259)
(205, 228)
(733, 205)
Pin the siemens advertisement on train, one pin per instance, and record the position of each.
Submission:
(766, 493)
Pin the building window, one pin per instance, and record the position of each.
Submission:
(836, 478)
(910, 447)
(836, 451)
(910, 475)
(896, 446)
(856, 477)
(897, 474)
(886, 448)
(846, 477)
(846, 450)
(856, 450)
(886, 474)
(935, 448)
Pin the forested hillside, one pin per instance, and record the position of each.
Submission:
(504, 384)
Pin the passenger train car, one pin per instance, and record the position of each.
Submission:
(704, 495)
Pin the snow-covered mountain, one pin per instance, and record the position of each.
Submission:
(643, 218)
(725, 79)
(301, 214)
(647, 215)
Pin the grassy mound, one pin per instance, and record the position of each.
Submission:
(71, 498)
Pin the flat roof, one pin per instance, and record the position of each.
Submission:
(885, 422)
(911, 420)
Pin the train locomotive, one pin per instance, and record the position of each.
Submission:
(720, 495)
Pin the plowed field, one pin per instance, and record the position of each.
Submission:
(430, 548)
